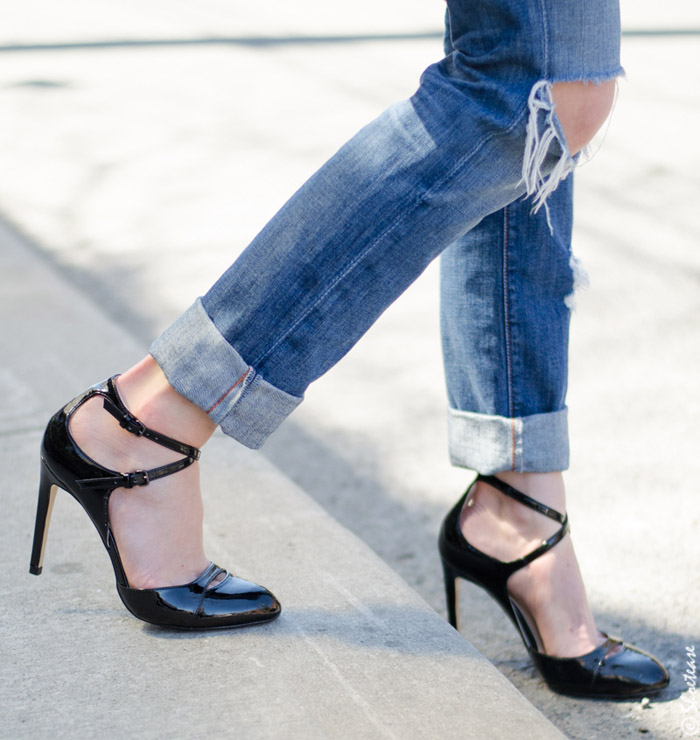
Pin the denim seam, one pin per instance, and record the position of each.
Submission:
(506, 310)
(459, 165)
(506, 328)
(235, 385)
(545, 38)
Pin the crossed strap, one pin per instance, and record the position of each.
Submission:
(513, 493)
(115, 406)
(210, 574)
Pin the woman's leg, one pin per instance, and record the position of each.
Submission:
(506, 288)
(549, 590)
(158, 527)
(359, 232)
(506, 291)
(365, 226)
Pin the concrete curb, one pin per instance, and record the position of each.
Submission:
(356, 653)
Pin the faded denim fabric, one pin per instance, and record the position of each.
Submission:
(504, 322)
(504, 290)
(478, 134)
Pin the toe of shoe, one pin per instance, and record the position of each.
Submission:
(614, 670)
(237, 602)
(631, 671)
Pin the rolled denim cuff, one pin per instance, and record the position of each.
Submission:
(492, 444)
(204, 368)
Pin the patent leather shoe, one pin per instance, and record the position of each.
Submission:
(216, 599)
(614, 670)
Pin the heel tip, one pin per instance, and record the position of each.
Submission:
(35, 570)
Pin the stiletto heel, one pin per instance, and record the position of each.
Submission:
(614, 670)
(216, 599)
(451, 594)
(44, 507)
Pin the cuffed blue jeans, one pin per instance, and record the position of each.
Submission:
(443, 172)
(505, 329)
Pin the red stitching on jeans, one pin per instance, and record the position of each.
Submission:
(237, 383)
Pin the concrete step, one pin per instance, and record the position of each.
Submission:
(355, 654)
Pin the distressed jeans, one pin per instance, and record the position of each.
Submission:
(457, 157)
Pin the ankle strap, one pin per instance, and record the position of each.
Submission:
(128, 421)
(115, 406)
(137, 478)
(513, 493)
(547, 544)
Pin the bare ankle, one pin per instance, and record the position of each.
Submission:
(504, 527)
(147, 394)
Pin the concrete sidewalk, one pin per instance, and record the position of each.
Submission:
(355, 654)
(149, 145)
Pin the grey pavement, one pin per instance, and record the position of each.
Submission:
(142, 160)
(356, 653)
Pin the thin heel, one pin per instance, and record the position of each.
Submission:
(451, 593)
(44, 507)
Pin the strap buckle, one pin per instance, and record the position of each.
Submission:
(133, 425)
(137, 478)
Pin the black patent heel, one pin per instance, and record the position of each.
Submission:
(451, 593)
(44, 507)
(614, 670)
(216, 599)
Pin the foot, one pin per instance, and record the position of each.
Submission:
(158, 527)
(550, 590)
